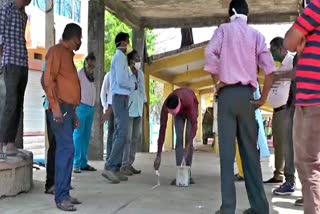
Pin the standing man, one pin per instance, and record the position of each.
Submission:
(121, 87)
(14, 59)
(233, 60)
(85, 112)
(62, 86)
(278, 98)
(136, 101)
(106, 100)
(303, 38)
(182, 103)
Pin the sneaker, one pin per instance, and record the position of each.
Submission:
(111, 176)
(126, 171)
(299, 202)
(285, 189)
(273, 180)
(121, 176)
(135, 171)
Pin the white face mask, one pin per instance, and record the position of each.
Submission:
(236, 15)
(137, 65)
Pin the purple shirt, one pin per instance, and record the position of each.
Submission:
(235, 52)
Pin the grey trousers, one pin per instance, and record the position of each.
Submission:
(120, 136)
(110, 135)
(134, 139)
(289, 168)
(236, 119)
(179, 124)
(279, 131)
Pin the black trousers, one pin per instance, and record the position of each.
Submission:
(50, 166)
(15, 80)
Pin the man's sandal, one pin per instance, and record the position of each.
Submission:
(66, 206)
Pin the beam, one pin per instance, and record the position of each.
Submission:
(206, 91)
(183, 58)
(200, 84)
(189, 75)
(186, 22)
(159, 77)
(121, 11)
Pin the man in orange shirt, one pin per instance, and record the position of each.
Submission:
(62, 86)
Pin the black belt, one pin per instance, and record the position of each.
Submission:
(280, 108)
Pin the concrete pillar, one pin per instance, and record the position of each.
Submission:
(139, 45)
(96, 25)
(169, 140)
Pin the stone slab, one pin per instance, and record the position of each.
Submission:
(16, 175)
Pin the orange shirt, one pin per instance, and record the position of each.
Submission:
(61, 80)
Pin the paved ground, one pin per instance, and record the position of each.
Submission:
(136, 196)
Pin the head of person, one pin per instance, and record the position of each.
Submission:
(277, 49)
(72, 36)
(238, 7)
(134, 60)
(173, 105)
(22, 3)
(90, 61)
(122, 42)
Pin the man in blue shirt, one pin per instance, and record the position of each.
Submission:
(121, 88)
(136, 101)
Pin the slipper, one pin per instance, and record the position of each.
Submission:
(74, 200)
(66, 206)
(88, 168)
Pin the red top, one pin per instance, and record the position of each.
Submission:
(189, 109)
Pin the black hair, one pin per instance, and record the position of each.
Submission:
(172, 102)
(131, 55)
(277, 42)
(71, 30)
(121, 37)
(241, 6)
(90, 56)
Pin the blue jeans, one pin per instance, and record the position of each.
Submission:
(64, 152)
(120, 137)
(82, 135)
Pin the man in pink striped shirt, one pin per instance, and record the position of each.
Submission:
(232, 57)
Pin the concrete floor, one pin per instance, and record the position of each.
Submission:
(136, 196)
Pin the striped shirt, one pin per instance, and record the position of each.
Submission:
(308, 69)
(13, 24)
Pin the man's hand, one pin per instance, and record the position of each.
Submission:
(157, 162)
(106, 115)
(76, 122)
(58, 117)
(258, 103)
(219, 85)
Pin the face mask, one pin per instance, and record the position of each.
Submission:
(129, 49)
(137, 65)
(276, 56)
(236, 15)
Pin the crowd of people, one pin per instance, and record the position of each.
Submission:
(291, 87)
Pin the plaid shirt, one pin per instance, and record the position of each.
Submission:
(13, 24)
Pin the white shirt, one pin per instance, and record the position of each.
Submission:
(121, 83)
(88, 89)
(105, 94)
(137, 97)
(279, 95)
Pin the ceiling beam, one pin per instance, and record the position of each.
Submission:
(183, 58)
(189, 75)
(124, 13)
(200, 84)
(184, 22)
(206, 91)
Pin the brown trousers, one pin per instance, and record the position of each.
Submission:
(306, 137)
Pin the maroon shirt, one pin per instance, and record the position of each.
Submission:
(189, 109)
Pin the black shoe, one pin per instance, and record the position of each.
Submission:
(89, 168)
(273, 180)
(299, 202)
(135, 171)
(237, 177)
